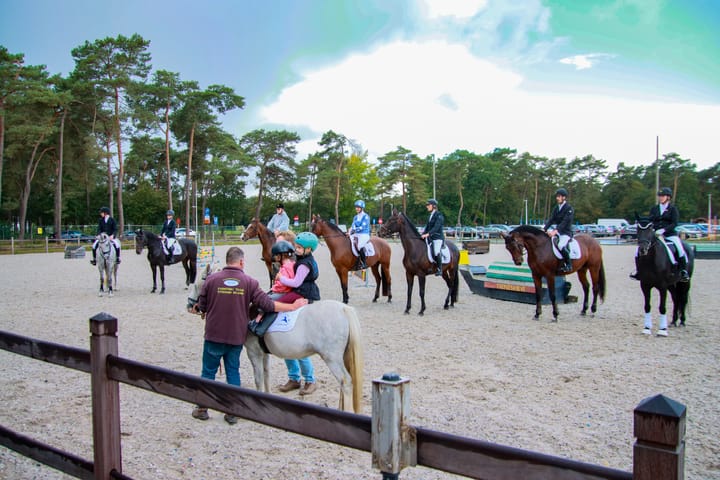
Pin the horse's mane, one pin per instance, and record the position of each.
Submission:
(414, 229)
(532, 230)
(332, 226)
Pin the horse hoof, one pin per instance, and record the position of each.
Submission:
(554, 320)
(407, 312)
(536, 317)
(100, 294)
(421, 314)
(583, 313)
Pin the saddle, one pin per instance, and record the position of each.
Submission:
(261, 327)
(445, 251)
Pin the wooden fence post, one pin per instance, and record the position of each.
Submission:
(105, 397)
(393, 440)
(659, 452)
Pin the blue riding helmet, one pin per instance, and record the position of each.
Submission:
(307, 240)
(170, 212)
(432, 202)
(360, 204)
(282, 246)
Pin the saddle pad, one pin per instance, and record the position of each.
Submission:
(177, 249)
(369, 249)
(444, 251)
(575, 251)
(285, 321)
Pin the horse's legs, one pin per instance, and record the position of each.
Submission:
(102, 285)
(376, 274)
(257, 358)
(343, 274)
(337, 368)
(551, 293)
(582, 276)
(162, 278)
(537, 281)
(421, 288)
(387, 281)
(153, 267)
(186, 266)
(410, 278)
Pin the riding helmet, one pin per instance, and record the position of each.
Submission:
(282, 246)
(307, 240)
(665, 191)
(170, 212)
(432, 202)
(105, 210)
(280, 205)
(360, 203)
(562, 192)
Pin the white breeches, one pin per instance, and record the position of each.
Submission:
(562, 240)
(437, 247)
(362, 239)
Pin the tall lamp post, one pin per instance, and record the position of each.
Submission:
(433, 160)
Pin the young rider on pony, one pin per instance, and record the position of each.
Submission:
(280, 221)
(108, 226)
(303, 285)
(359, 232)
(562, 217)
(434, 232)
(167, 234)
(664, 217)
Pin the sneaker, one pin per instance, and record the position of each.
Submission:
(231, 419)
(289, 386)
(200, 413)
(647, 331)
(308, 388)
(662, 332)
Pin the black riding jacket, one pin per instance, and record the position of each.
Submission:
(169, 228)
(434, 227)
(668, 220)
(562, 219)
(107, 226)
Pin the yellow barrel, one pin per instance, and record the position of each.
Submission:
(464, 258)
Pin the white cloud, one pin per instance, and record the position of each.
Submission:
(583, 62)
(453, 8)
(400, 94)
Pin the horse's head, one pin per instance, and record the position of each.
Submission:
(645, 235)
(316, 224)
(196, 287)
(514, 244)
(392, 225)
(140, 241)
(251, 231)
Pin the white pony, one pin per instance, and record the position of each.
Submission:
(106, 263)
(326, 327)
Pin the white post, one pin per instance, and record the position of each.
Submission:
(393, 440)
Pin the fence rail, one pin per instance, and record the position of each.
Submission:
(394, 444)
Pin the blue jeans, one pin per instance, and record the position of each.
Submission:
(230, 355)
(304, 366)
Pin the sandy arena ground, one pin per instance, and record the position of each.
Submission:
(484, 370)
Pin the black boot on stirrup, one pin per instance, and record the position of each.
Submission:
(362, 265)
(684, 277)
(438, 263)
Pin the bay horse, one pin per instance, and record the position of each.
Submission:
(326, 327)
(417, 263)
(543, 263)
(344, 261)
(158, 260)
(106, 263)
(655, 270)
(267, 239)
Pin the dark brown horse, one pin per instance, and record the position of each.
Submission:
(267, 240)
(418, 264)
(544, 263)
(158, 260)
(344, 261)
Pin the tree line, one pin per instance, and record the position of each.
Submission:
(117, 132)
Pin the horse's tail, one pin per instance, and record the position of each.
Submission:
(455, 289)
(601, 281)
(353, 356)
(192, 250)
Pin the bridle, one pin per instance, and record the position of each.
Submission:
(645, 244)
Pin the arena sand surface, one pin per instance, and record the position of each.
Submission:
(484, 370)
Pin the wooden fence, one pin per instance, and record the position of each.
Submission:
(659, 422)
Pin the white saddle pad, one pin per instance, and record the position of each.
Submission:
(445, 251)
(175, 245)
(575, 251)
(285, 321)
(369, 249)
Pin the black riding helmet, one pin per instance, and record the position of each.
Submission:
(665, 191)
(281, 247)
(562, 191)
(105, 210)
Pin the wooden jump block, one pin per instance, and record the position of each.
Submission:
(74, 252)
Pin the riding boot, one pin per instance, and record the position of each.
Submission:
(361, 257)
(438, 263)
(682, 262)
(567, 263)
(169, 258)
(117, 257)
(93, 261)
(634, 275)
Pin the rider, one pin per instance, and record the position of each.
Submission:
(108, 226)
(664, 217)
(306, 272)
(167, 234)
(280, 221)
(359, 232)
(434, 231)
(562, 217)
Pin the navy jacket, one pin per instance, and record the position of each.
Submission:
(434, 227)
(109, 227)
(563, 219)
(169, 228)
(308, 289)
(668, 220)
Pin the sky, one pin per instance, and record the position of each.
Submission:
(555, 78)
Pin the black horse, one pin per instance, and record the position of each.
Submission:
(417, 263)
(655, 270)
(157, 257)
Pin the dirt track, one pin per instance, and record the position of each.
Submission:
(483, 370)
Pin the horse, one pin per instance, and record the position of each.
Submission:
(417, 263)
(655, 270)
(344, 260)
(326, 327)
(267, 240)
(544, 263)
(106, 263)
(157, 257)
